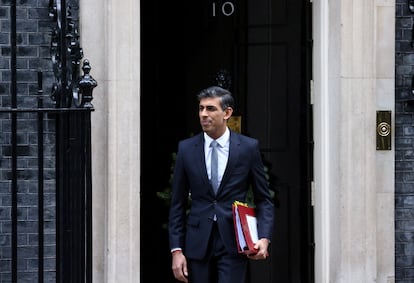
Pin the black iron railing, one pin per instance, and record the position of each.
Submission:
(69, 110)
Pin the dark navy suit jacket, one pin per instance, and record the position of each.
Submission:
(191, 231)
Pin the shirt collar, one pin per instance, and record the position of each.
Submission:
(222, 141)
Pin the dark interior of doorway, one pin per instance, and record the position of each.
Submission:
(173, 45)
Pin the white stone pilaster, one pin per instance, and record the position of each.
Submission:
(354, 182)
(110, 39)
(123, 141)
(385, 177)
(94, 43)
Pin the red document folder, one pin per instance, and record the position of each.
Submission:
(245, 226)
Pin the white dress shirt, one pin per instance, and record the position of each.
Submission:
(222, 153)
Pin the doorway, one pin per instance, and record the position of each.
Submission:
(261, 51)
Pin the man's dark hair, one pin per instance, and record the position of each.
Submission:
(226, 99)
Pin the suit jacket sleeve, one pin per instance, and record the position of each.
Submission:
(262, 197)
(178, 206)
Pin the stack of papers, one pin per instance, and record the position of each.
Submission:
(245, 226)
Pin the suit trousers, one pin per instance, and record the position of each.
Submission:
(219, 266)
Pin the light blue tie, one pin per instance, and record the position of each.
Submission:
(214, 166)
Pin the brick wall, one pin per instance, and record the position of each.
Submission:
(33, 54)
(404, 145)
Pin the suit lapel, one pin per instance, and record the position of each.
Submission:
(199, 157)
(234, 149)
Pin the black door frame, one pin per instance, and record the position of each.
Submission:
(156, 94)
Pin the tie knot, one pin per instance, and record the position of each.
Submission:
(214, 144)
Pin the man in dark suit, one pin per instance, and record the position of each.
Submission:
(202, 240)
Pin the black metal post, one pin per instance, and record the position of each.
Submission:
(63, 51)
(40, 178)
(73, 156)
(88, 174)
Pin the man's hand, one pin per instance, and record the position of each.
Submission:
(179, 266)
(261, 246)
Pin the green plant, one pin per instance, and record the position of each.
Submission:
(165, 194)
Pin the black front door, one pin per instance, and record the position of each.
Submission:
(260, 51)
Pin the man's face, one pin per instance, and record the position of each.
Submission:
(213, 119)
